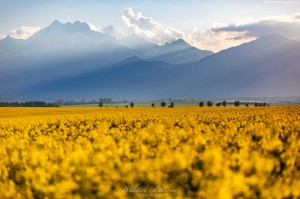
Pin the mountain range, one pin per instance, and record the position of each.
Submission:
(70, 61)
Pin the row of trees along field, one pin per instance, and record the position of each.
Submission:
(109, 101)
(162, 104)
(235, 103)
(201, 104)
(27, 104)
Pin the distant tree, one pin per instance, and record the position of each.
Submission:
(163, 104)
(100, 104)
(131, 104)
(153, 105)
(171, 105)
(219, 104)
(209, 103)
(247, 105)
(259, 104)
(237, 103)
(126, 106)
(201, 104)
(224, 103)
(264, 104)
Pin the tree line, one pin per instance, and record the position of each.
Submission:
(235, 103)
(103, 101)
(27, 104)
(201, 104)
(162, 104)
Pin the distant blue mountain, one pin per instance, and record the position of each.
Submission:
(58, 51)
(10, 45)
(177, 52)
(132, 78)
(268, 66)
(70, 61)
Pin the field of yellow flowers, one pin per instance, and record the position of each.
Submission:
(190, 152)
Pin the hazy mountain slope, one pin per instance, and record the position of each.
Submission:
(10, 45)
(65, 50)
(137, 43)
(268, 66)
(177, 52)
(180, 52)
(58, 51)
(132, 78)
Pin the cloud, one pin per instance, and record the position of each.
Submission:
(286, 25)
(24, 32)
(149, 29)
(216, 41)
(2, 37)
(94, 27)
(110, 30)
(222, 36)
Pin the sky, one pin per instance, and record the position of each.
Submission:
(206, 24)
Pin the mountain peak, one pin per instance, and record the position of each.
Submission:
(179, 43)
(8, 37)
(134, 59)
(81, 25)
(77, 23)
(56, 23)
(76, 26)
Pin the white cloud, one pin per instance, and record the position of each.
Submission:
(216, 41)
(286, 25)
(94, 27)
(221, 36)
(2, 37)
(149, 29)
(110, 30)
(24, 32)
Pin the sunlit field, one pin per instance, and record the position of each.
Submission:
(191, 152)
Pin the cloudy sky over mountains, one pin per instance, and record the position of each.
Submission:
(211, 25)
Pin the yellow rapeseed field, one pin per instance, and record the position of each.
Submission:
(191, 152)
